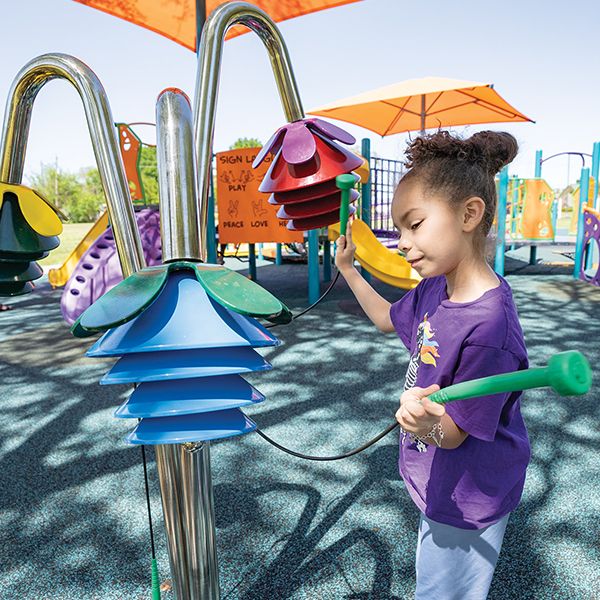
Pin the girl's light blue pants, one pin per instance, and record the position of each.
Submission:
(456, 564)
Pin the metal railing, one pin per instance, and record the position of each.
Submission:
(385, 175)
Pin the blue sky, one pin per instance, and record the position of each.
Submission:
(541, 57)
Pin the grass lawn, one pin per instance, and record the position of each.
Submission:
(72, 234)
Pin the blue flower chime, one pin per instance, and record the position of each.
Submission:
(184, 332)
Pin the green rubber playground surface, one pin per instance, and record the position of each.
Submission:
(72, 507)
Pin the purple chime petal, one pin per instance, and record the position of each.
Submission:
(272, 145)
(299, 145)
(330, 130)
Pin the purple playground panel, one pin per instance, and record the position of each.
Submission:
(591, 238)
(99, 269)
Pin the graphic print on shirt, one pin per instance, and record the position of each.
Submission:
(426, 351)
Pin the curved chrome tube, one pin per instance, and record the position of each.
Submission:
(207, 84)
(15, 132)
(176, 177)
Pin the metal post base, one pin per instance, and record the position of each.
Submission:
(187, 499)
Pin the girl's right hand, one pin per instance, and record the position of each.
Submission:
(344, 256)
(417, 413)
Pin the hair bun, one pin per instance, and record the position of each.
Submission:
(496, 148)
(491, 149)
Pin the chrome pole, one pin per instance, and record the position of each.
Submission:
(184, 470)
(13, 145)
(179, 224)
(207, 84)
(168, 469)
(199, 513)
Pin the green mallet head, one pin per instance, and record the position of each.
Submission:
(345, 183)
(569, 373)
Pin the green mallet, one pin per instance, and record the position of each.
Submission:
(345, 183)
(568, 374)
(155, 581)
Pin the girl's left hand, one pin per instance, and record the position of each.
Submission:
(417, 414)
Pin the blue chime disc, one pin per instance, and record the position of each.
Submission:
(191, 428)
(188, 396)
(183, 364)
(183, 317)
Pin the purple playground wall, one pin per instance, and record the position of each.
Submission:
(99, 269)
(591, 236)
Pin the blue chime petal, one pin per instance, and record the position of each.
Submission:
(191, 428)
(183, 317)
(183, 364)
(188, 396)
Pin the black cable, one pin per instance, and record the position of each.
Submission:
(340, 456)
(322, 458)
(337, 276)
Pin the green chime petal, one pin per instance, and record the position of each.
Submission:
(126, 300)
(16, 235)
(236, 292)
(14, 272)
(80, 332)
(15, 289)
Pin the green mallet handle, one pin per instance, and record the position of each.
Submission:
(155, 581)
(568, 374)
(345, 183)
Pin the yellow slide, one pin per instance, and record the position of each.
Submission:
(59, 277)
(378, 260)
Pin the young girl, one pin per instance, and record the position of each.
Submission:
(463, 463)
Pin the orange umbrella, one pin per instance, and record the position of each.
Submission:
(419, 104)
(176, 19)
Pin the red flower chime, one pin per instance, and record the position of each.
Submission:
(301, 178)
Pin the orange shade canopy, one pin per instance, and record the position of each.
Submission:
(419, 104)
(176, 19)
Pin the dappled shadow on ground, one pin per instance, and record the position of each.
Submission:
(72, 507)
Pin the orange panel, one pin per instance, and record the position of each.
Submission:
(129, 143)
(536, 219)
(245, 215)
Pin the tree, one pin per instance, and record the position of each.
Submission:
(148, 170)
(57, 186)
(90, 201)
(246, 143)
(81, 196)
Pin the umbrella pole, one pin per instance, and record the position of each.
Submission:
(423, 112)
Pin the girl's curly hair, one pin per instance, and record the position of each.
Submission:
(461, 168)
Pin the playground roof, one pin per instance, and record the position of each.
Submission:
(419, 104)
(176, 19)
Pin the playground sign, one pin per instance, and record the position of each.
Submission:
(245, 215)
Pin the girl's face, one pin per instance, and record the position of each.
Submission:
(432, 235)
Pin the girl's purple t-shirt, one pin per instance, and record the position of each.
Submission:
(482, 480)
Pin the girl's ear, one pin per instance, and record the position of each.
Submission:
(474, 209)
